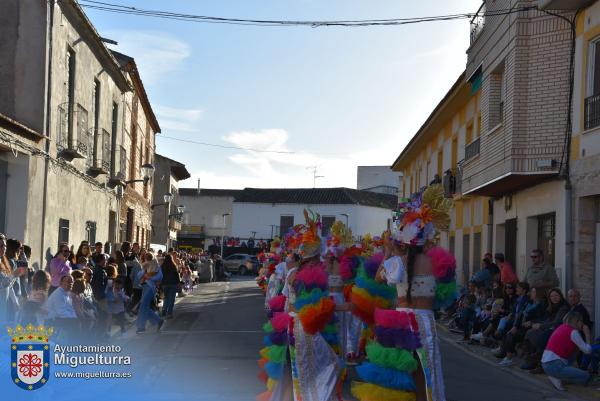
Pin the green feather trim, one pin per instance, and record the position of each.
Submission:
(445, 290)
(393, 358)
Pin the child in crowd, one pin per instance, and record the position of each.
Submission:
(187, 279)
(466, 316)
(116, 300)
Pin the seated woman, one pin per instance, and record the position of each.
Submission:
(563, 343)
(534, 312)
(503, 303)
(537, 337)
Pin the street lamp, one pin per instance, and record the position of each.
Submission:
(147, 174)
(168, 197)
(223, 234)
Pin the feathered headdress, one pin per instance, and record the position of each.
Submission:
(310, 240)
(419, 218)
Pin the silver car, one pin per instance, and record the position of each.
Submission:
(240, 263)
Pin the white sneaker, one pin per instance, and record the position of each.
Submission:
(497, 350)
(477, 336)
(506, 362)
(556, 383)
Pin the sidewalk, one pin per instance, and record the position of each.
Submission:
(115, 331)
(573, 393)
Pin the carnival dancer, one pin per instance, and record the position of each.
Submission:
(315, 368)
(405, 360)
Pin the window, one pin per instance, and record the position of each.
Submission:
(113, 133)
(466, 257)
(94, 154)
(70, 65)
(592, 101)
(497, 97)
(546, 236)
(327, 222)
(285, 223)
(476, 251)
(440, 163)
(63, 231)
(129, 225)
(90, 228)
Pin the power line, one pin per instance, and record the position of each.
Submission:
(122, 9)
(288, 152)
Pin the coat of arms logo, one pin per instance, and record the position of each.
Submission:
(30, 355)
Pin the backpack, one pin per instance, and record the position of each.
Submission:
(98, 283)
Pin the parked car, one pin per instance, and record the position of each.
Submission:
(241, 263)
(206, 270)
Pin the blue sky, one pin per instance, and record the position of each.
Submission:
(338, 97)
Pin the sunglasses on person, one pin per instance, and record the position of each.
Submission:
(534, 256)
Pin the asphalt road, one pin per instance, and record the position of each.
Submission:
(209, 352)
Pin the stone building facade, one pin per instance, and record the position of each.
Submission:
(166, 219)
(64, 83)
(139, 129)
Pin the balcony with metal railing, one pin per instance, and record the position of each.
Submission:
(73, 134)
(119, 167)
(592, 112)
(472, 149)
(102, 154)
(477, 23)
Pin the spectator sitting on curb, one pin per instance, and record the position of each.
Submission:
(562, 344)
(537, 337)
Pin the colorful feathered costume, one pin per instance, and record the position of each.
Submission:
(406, 339)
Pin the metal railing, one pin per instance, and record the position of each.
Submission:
(73, 141)
(62, 129)
(472, 149)
(477, 23)
(82, 141)
(104, 157)
(592, 112)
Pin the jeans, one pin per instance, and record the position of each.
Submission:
(145, 313)
(591, 360)
(561, 370)
(170, 291)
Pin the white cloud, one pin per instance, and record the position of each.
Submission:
(178, 119)
(155, 53)
(278, 170)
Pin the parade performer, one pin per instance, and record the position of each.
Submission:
(315, 370)
(405, 360)
(337, 241)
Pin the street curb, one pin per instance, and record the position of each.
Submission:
(445, 336)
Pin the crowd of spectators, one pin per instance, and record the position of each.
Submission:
(89, 291)
(530, 319)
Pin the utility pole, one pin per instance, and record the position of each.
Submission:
(315, 176)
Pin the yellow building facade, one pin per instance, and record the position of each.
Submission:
(436, 153)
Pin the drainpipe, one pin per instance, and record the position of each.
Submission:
(564, 169)
(49, 32)
(490, 241)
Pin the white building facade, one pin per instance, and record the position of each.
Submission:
(207, 216)
(265, 213)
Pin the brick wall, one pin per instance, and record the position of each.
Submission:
(530, 51)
